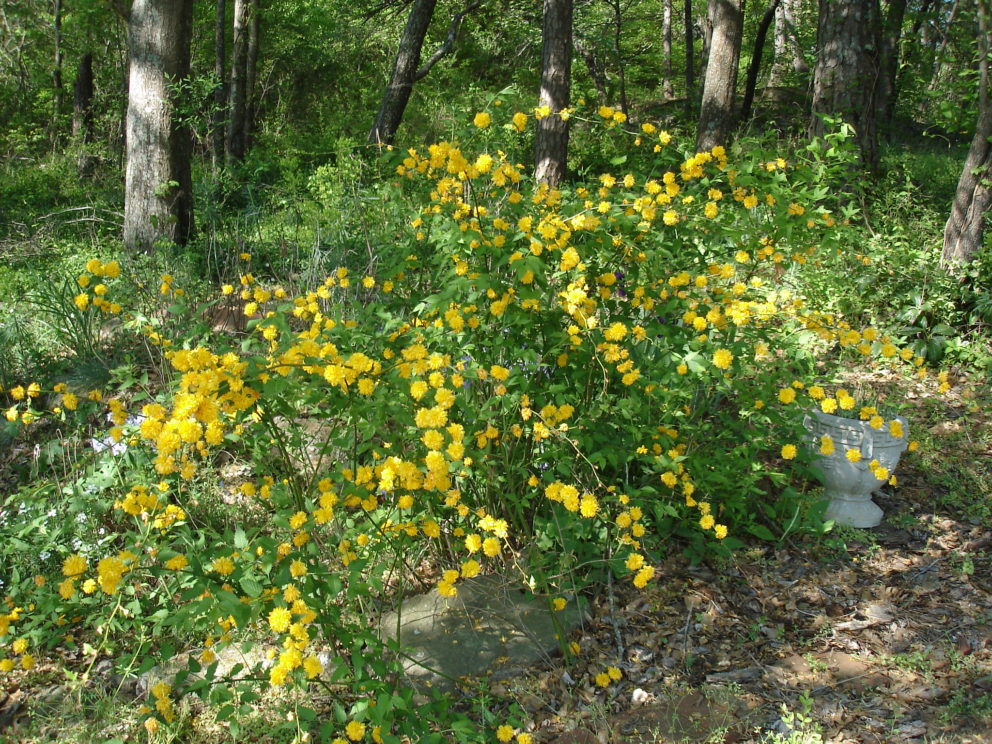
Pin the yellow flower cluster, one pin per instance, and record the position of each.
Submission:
(95, 295)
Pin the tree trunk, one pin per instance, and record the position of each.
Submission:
(219, 118)
(596, 74)
(786, 45)
(690, 77)
(888, 64)
(57, 83)
(621, 64)
(938, 58)
(846, 74)
(667, 88)
(82, 114)
(755, 66)
(965, 228)
(234, 142)
(82, 100)
(397, 94)
(251, 74)
(158, 201)
(551, 145)
(716, 115)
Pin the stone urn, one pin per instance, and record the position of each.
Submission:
(849, 485)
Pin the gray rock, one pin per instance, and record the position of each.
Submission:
(494, 626)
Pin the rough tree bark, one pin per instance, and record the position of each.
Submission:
(667, 88)
(158, 199)
(551, 142)
(888, 64)
(755, 66)
(845, 81)
(716, 115)
(965, 227)
(234, 140)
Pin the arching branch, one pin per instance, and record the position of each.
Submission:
(449, 42)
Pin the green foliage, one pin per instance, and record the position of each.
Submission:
(509, 378)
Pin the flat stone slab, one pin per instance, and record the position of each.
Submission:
(494, 626)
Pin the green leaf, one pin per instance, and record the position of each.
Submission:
(251, 586)
(240, 539)
(761, 532)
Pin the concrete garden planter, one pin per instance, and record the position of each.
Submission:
(849, 485)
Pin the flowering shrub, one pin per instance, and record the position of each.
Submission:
(550, 379)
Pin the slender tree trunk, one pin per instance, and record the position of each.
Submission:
(846, 75)
(57, 83)
(596, 73)
(690, 76)
(787, 49)
(618, 54)
(82, 100)
(251, 73)
(158, 201)
(667, 88)
(755, 66)
(397, 94)
(704, 59)
(234, 143)
(888, 64)
(716, 116)
(938, 57)
(965, 227)
(219, 118)
(551, 144)
(82, 113)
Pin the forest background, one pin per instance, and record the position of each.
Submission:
(307, 305)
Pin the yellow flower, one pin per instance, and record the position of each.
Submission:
(312, 667)
(722, 359)
(280, 619)
(853, 455)
(355, 730)
(482, 120)
(74, 565)
(787, 395)
(720, 530)
(789, 451)
(644, 576)
(520, 121)
(177, 563)
(826, 445)
(559, 603)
